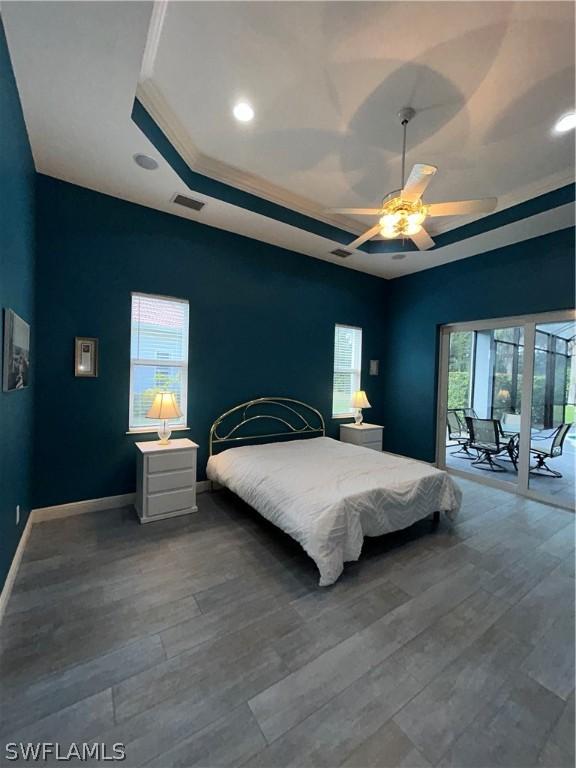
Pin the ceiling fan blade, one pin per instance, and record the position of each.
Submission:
(462, 207)
(420, 177)
(423, 240)
(366, 236)
(359, 211)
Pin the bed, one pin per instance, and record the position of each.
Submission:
(326, 494)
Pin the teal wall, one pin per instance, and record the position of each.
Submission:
(261, 323)
(16, 292)
(534, 276)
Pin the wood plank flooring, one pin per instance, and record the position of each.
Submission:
(205, 641)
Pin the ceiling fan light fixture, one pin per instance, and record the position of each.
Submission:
(411, 229)
(417, 217)
(387, 229)
(402, 217)
(402, 212)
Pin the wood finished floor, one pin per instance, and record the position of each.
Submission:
(205, 641)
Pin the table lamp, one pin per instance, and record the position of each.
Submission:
(164, 407)
(359, 401)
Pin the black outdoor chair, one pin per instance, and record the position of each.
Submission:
(486, 438)
(548, 446)
(458, 433)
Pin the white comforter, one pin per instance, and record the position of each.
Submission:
(329, 495)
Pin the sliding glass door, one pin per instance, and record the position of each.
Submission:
(506, 404)
(553, 435)
(485, 370)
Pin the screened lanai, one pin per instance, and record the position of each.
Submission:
(485, 381)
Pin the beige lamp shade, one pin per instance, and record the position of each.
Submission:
(164, 407)
(359, 400)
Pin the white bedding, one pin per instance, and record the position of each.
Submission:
(329, 495)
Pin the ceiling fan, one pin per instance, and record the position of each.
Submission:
(403, 211)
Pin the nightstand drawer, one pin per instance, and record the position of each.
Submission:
(170, 461)
(171, 481)
(161, 503)
(364, 437)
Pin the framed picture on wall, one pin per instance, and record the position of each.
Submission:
(86, 357)
(16, 368)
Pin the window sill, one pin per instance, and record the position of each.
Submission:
(344, 416)
(153, 430)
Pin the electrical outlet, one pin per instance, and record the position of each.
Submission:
(18, 514)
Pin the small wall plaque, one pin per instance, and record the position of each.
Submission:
(374, 365)
(86, 357)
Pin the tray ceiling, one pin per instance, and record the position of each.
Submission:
(488, 81)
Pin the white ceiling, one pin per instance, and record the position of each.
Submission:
(326, 79)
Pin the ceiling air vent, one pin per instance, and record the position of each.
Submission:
(341, 252)
(188, 202)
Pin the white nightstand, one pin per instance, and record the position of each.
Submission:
(366, 435)
(166, 479)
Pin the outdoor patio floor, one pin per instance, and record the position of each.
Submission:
(560, 489)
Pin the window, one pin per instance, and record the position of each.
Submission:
(158, 356)
(347, 367)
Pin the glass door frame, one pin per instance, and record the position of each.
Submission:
(528, 323)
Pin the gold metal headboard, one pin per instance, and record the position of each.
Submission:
(300, 425)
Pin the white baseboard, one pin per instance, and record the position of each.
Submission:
(66, 510)
(94, 505)
(11, 576)
(81, 507)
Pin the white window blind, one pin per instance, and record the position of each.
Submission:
(158, 356)
(347, 368)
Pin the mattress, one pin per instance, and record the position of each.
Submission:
(329, 495)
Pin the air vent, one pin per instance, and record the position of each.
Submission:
(188, 202)
(341, 253)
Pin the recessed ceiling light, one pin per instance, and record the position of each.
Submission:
(148, 163)
(566, 123)
(243, 112)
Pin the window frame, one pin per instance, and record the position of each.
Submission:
(357, 372)
(182, 365)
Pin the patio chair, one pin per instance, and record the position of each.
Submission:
(549, 446)
(486, 438)
(458, 433)
(510, 423)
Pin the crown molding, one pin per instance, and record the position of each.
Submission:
(159, 9)
(153, 100)
(521, 195)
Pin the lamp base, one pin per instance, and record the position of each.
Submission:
(358, 416)
(164, 435)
